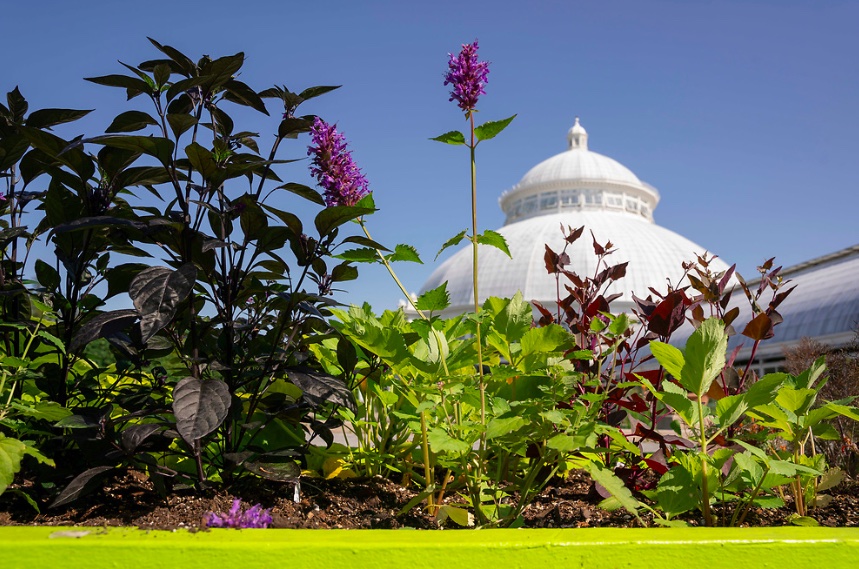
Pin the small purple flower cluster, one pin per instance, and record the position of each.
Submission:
(253, 517)
(468, 77)
(333, 166)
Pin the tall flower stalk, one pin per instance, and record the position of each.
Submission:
(345, 185)
(467, 76)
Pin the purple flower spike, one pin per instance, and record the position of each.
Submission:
(253, 517)
(468, 77)
(333, 166)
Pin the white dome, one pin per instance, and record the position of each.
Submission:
(572, 189)
(579, 165)
(653, 252)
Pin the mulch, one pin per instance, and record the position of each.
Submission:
(372, 503)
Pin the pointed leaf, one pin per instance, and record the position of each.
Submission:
(362, 255)
(101, 326)
(83, 484)
(156, 293)
(200, 407)
(306, 192)
(491, 129)
(45, 118)
(705, 356)
(320, 388)
(615, 486)
(160, 148)
(434, 300)
(668, 357)
(453, 137)
(452, 242)
(312, 92)
(131, 121)
(405, 253)
(494, 239)
(135, 435)
(677, 492)
(332, 217)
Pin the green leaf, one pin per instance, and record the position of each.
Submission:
(765, 390)
(515, 319)
(545, 339)
(460, 516)
(730, 409)
(435, 299)
(11, 453)
(668, 357)
(47, 410)
(498, 427)
(453, 137)
(130, 121)
(796, 400)
(677, 399)
(491, 129)
(452, 242)
(53, 340)
(494, 239)
(851, 412)
(614, 485)
(705, 356)
(362, 255)
(804, 521)
(676, 492)
(750, 471)
(441, 442)
(404, 252)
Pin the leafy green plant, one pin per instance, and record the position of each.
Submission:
(793, 420)
(20, 409)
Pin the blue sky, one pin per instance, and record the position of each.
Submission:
(742, 113)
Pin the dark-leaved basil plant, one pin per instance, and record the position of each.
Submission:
(209, 375)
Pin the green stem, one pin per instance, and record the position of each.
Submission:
(474, 245)
(705, 491)
(427, 466)
(392, 273)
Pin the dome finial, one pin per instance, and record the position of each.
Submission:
(577, 137)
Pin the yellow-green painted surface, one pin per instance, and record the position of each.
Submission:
(757, 548)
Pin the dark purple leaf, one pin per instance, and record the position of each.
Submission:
(156, 293)
(200, 406)
(83, 484)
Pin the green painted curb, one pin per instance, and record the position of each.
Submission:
(730, 548)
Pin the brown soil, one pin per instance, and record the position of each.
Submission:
(129, 500)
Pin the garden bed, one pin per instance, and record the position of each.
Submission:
(361, 504)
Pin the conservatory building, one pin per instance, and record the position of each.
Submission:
(577, 187)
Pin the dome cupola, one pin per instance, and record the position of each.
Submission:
(578, 180)
(577, 137)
